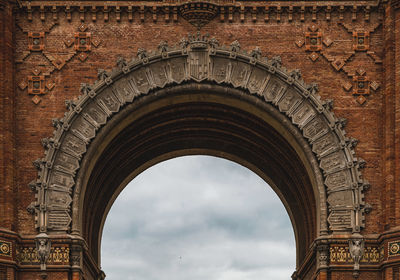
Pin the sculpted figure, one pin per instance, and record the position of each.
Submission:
(43, 246)
(356, 247)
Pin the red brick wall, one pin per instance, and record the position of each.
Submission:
(7, 120)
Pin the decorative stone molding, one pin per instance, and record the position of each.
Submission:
(198, 13)
(200, 59)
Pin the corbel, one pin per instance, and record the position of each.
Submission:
(302, 11)
(118, 13)
(242, 13)
(154, 10)
(254, 14)
(222, 14)
(29, 8)
(175, 14)
(166, 12)
(55, 13)
(130, 13)
(82, 13)
(230, 14)
(290, 16)
(42, 13)
(341, 12)
(266, 18)
(367, 12)
(328, 11)
(354, 13)
(68, 12)
(105, 13)
(141, 12)
(278, 13)
(94, 13)
(314, 13)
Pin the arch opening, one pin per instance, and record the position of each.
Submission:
(198, 217)
(196, 121)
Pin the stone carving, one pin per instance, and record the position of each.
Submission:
(43, 245)
(356, 248)
(199, 59)
(198, 13)
(76, 251)
(323, 255)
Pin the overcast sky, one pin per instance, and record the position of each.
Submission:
(198, 218)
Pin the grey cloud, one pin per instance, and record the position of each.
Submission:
(198, 217)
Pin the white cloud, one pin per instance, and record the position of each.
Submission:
(195, 218)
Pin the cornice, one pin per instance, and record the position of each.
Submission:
(221, 3)
(202, 11)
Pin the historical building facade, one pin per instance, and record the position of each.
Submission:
(304, 93)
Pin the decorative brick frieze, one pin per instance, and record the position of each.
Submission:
(360, 84)
(340, 254)
(200, 12)
(80, 44)
(313, 39)
(36, 41)
(314, 42)
(27, 255)
(38, 84)
(360, 40)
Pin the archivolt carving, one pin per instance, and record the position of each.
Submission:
(198, 59)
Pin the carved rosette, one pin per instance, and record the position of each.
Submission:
(198, 13)
(199, 59)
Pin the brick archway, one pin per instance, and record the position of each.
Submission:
(200, 98)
